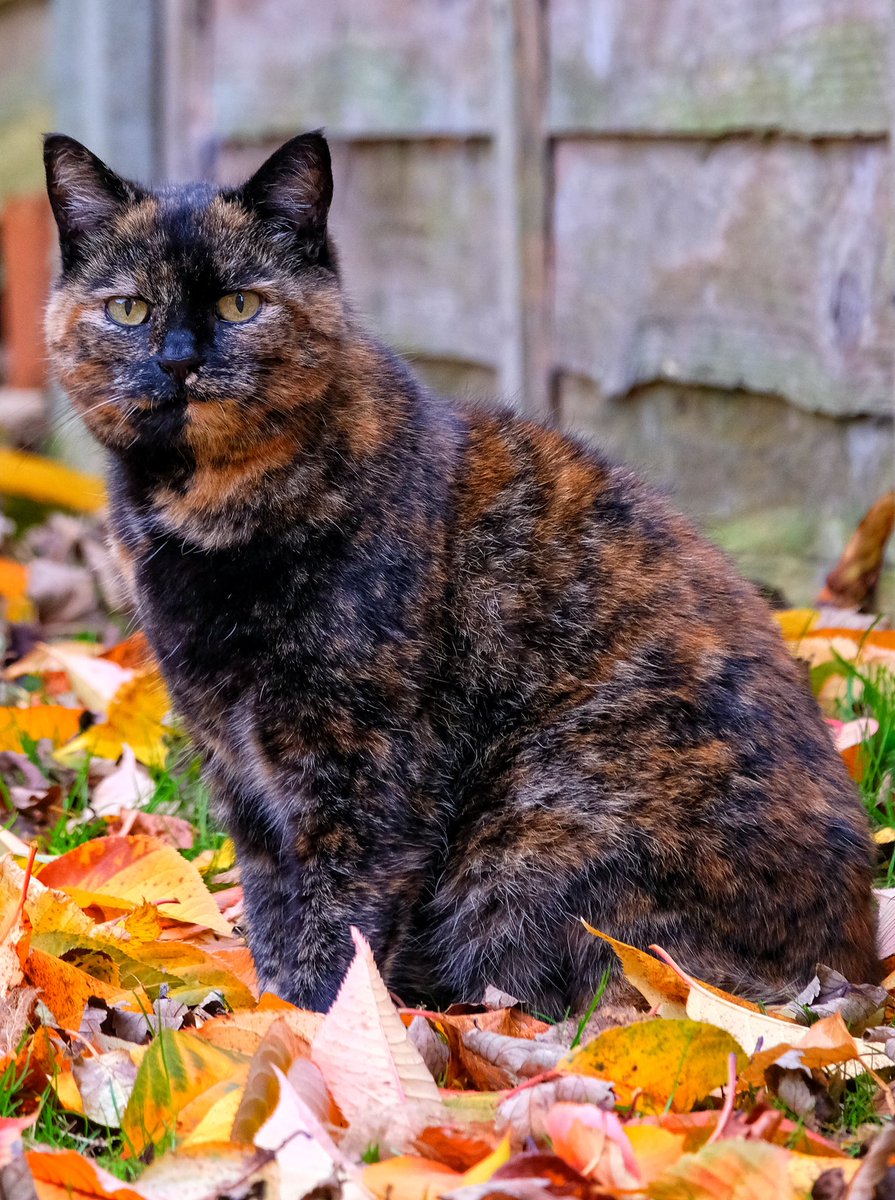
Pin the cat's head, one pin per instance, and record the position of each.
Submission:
(197, 319)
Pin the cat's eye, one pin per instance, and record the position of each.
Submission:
(127, 310)
(238, 306)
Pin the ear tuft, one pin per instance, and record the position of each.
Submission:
(84, 193)
(293, 189)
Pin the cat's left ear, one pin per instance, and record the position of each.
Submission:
(293, 190)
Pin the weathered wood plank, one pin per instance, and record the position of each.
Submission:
(782, 489)
(521, 171)
(380, 67)
(24, 95)
(415, 226)
(712, 66)
(740, 265)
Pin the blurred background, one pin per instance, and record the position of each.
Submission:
(665, 223)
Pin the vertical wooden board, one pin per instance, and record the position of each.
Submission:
(24, 94)
(747, 264)
(381, 66)
(27, 237)
(414, 226)
(810, 66)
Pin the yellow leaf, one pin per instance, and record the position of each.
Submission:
(178, 1067)
(144, 923)
(672, 1063)
(135, 718)
(826, 1044)
(408, 1177)
(796, 622)
(47, 482)
(41, 721)
(93, 680)
(485, 1168)
(217, 1123)
(137, 869)
(884, 836)
(658, 983)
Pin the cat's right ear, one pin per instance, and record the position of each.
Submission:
(84, 193)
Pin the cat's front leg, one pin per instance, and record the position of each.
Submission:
(340, 862)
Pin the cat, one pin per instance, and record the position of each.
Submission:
(458, 680)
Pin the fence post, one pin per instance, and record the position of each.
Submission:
(522, 202)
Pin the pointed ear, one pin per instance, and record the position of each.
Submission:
(84, 193)
(293, 190)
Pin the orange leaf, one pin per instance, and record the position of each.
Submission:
(137, 869)
(41, 721)
(65, 989)
(14, 588)
(67, 1175)
(408, 1177)
(736, 1169)
(658, 983)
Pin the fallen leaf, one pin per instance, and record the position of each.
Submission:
(129, 786)
(514, 1058)
(409, 1177)
(594, 1142)
(524, 1110)
(658, 983)
(853, 580)
(177, 1067)
(14, 590)
(211, 1170)
(136, 718)
(373, 1070)
(67, 1175)
(665, 1061)
(105, 1082)
(40, 721)
(732, 1169)
(279, 1048)
(136, 869)
(11, 1129)
(49, 482)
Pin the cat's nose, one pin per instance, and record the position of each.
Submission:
(180, 368)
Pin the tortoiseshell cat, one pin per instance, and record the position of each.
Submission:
(459, 681)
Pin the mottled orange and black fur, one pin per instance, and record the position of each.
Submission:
(458, 680)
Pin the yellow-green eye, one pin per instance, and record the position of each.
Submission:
(238, 306)
(127, 310)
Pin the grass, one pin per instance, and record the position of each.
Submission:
(870, 692)
(58, 1129)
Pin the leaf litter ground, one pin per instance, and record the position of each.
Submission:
(139, 1062)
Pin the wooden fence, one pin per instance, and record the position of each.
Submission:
(667, 223)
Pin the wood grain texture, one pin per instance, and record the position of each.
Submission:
(712, 66)
(414, 224)
(380, 67)
(746, 265)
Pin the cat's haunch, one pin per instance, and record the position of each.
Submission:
(457, 679)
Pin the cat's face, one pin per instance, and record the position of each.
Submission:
(194, 319)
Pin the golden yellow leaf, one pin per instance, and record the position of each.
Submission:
(14, 590)
(137, 869)
(48, 482)
(41, 721)
(658, 983)
(178, 1067)
(144, 924)
(135, 718)
(482, 1171)
(217, 1123)
(670, 1062)
(796, 622)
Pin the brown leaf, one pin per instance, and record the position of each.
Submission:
(514, 1058)
(853, 580)
(279, 1048)
(524, 1111)
(105, 1082)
